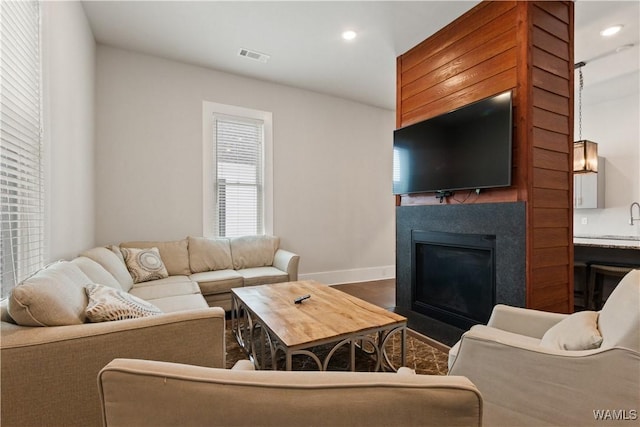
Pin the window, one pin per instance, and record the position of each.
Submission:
(238, 191)
(21, 169)
(237, 188)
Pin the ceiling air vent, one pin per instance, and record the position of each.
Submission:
(252, 54)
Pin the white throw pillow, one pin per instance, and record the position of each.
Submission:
(144, 264)
(579, 331)
(106, 304)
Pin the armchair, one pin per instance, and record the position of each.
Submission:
(525, 382)
(150, 393)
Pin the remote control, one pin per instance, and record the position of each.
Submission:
(302, 298)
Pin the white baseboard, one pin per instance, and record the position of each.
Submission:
(351, 276)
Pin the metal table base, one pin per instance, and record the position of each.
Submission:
(257, 340)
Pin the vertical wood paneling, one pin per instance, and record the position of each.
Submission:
(552, 83)
(549, 159)
(525, 47)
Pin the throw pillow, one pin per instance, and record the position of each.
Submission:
(106, 304)
(144, 264)
(174, 254)
(578, 331)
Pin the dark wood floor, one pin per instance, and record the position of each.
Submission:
(380, 292)
(383, 294)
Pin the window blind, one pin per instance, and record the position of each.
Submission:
(21, 169)
(239, 164)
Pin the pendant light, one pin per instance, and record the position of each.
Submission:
(585, 153)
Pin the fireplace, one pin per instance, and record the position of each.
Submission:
(504, 223)
(453, 276)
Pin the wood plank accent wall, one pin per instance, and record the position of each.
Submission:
(525, 47)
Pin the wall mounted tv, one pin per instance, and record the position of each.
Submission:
(468, 148)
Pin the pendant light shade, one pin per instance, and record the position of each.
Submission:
(585, 156)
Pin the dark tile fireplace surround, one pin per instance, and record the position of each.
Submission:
(502, 224)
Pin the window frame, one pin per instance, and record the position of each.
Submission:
(209, 214)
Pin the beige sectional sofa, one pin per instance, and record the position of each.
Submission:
(216, 265)
(50, 354)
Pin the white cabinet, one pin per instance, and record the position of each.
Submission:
(588, 188)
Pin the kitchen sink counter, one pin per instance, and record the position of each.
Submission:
(608, 250)
(605, 241)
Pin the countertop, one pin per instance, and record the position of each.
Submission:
(606, 241)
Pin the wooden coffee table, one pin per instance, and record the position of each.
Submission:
(265, 318)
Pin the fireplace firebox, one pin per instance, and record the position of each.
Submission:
(505, 221)
(453, 276)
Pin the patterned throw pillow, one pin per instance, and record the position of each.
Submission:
(144, 264)
(107, 304)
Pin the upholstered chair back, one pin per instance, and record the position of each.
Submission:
(619, 320)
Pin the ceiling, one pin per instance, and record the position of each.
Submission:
(303, 38)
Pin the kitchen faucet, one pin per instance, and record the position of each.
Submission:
(631, 212)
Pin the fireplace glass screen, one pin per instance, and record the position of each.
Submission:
(453, 276)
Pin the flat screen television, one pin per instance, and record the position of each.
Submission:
(468, 148)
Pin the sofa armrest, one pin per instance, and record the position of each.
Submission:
(57, 366)
(532, 323)
(288, 262)
(526, 384)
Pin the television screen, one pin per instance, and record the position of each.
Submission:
(468, 148)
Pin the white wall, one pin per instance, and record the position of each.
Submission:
(610, 112)
(332, 163)
(69, 71)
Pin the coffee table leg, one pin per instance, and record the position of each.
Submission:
(353, 355)
(404, 346)
(236, 326)
(244, 328)
(384, 338)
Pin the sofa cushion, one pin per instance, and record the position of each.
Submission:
(219, 300)
(215, 282)
(107, 304)
(170, 279)
(209, 254)
(165, 290)
(174, 254)
(116, 250)
(54, 296)
(96, 272)
(262, 276)
(112, 263)
(253, 251)
(144, 264)
(578, 331)
(180, 303)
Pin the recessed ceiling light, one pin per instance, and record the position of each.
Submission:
(614, 29)
(349, 35)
